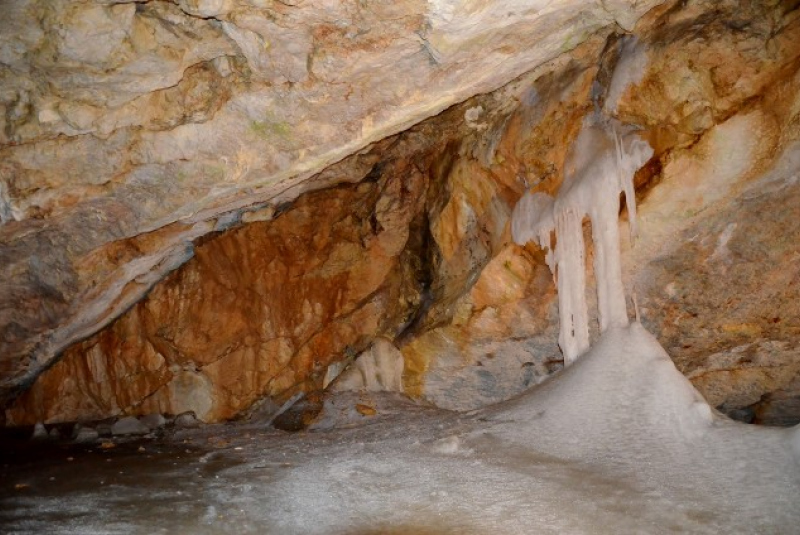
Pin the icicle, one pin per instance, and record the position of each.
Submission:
(628, 162)
(532, 220)
(572, 309)
(601, 164)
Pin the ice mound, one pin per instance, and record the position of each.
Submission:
(619, 443)
(624, 409)
(626, 379)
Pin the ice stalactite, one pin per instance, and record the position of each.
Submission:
(600, 166)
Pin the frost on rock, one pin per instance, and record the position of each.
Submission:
(601, 165)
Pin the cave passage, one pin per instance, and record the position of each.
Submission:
(354, 268)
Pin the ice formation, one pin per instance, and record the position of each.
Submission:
(379, 369)
(619, 443)
(600, 166)
(622, 437)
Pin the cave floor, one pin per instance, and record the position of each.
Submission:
(593, 465)
(400, 471)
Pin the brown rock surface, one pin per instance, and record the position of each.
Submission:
(219, 367)
(258, 311)
(420, 251)
(715, 265)
(121, 118)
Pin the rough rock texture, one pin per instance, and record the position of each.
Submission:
(133, 366)
(716, 90)
(715, 267)
(257, 312)
(124, 118)
(262, 310)
(489, 332)
(725, 295)
(501, 341)
(420, 251)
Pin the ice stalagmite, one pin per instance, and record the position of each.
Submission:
(600, 166)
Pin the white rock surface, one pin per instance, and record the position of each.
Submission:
(153, 421)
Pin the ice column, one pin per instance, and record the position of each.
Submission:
(600, 166)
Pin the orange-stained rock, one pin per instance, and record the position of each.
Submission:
(713, 269)
(420, 251)
(501, 341)
(258, 311)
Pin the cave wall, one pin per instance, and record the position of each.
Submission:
(713, 267)
(258, 311)
(231, 327)
(418, 250)
(125, 118)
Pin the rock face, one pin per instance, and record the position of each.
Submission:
(129, 426)
(125, 122)
(715, 266)
(257, 312)
(288, 272)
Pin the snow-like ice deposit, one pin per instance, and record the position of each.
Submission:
(618, 443)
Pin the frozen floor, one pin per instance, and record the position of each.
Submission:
(617, 444)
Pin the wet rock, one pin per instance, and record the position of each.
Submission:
(129, 425)
(299, 415)
(153, 421)
(187, 420)
(82, 434)
(103, 428)
(39, 432)
(745, 415)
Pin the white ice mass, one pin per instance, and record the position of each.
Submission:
(618, 443)
(600, 166)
